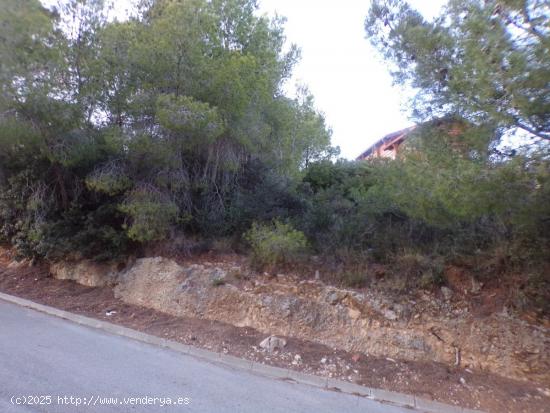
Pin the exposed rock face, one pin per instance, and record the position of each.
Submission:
(272, 344)
(88, 273)
(428, 329)
(20, 264)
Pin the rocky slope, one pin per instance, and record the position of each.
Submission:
(428, 328)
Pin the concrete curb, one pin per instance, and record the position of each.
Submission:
(398, 399)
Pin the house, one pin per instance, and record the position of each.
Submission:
(388, 146)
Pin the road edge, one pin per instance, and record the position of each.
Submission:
(398, 399)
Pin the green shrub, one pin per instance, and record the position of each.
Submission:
(96, 235)
(275, 244)
(151, 214)
(109, 179)
(262, 195)
(334, 217)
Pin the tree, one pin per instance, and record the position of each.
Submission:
(130, 130)
(27, 59)
(485, 60)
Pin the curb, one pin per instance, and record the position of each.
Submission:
(398, 399)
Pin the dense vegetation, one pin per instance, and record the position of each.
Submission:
(115, 133)
(172, 125)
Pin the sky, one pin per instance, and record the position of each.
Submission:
(351, 84)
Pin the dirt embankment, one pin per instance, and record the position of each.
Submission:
(424, 329)
(430, 346)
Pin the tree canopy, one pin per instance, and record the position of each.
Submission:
(157, 115)
(485, 60)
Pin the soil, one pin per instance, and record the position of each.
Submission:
(456, 386)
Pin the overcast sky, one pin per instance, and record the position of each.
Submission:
(350, 82)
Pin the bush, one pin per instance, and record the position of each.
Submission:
(334, 217)
(275, 244)
(96, 235)
(417, 270)
(261, 195)
(353, 279)
(109, 179)
(152, 214)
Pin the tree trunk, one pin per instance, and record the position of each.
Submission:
(58, 172)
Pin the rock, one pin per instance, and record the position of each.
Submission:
(462, 381)
(447, 293)
(333, 298)
(20, 264)
(273, 343)
(160, 283)
(285, 305)
(297, 359)
(390, 314)
(398, 308)
(329, 316)
(217, 275)
(417, 343)
(476, 286)
(354, 314)
(89, 273)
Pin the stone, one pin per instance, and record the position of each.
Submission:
(447, 293)
(417, 343)
(217, 276)
(476, 286)
(354, 314)
(88, 273)
(25, 262)
(333, 298)
(390, 314)
(272, 344)
(334, 295)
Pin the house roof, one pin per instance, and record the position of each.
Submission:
(386, 139)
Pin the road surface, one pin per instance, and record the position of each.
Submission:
(51, 365)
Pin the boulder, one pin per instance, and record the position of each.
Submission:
(272, 344)
(89, 273)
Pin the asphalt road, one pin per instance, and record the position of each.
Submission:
(44, 361)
